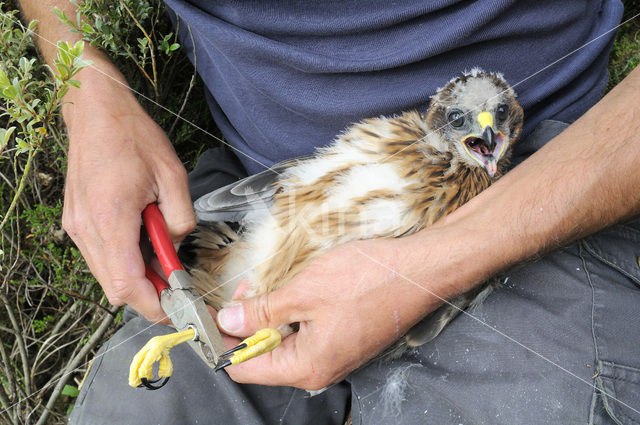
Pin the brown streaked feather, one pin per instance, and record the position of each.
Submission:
(304, 223)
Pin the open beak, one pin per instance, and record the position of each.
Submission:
(487, 147)
(487, 138)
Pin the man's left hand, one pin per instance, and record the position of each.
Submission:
(351, 303)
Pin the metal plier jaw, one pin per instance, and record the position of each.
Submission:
(186, 309)
(182, 304)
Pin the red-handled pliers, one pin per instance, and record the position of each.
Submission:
(179, 298)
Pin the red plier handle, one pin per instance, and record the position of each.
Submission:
(161, 241)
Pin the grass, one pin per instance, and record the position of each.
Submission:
(53, 315)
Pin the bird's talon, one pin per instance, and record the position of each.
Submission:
(233, 350)
(222, 365)
(148, 384)
(261, 342)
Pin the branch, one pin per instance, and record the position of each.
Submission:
(154, 82)
(73, 364)
(21, 346)
(191, 84)
(23, 180)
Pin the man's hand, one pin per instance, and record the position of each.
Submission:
(120, 161)
(347, 315)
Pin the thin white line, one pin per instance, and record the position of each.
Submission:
(542, 356)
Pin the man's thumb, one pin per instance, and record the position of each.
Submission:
(247, 317)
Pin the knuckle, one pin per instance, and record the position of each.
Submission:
(113, 300)
(69, 221)
(261, 310)
(73, 226)
(176, 170)
(185, 227)
(120, 292)
(68, 225)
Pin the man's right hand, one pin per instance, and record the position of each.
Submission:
(119, 162)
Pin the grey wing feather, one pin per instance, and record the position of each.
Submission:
(246, 200)
(431, 326)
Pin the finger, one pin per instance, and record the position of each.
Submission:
(263, 311)
(174, 202)
(281, 366)
(99, 270)
(108, 235)
(126, 282)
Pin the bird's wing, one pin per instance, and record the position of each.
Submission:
(431, 326)
(245, 200)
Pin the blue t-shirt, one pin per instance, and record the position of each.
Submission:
(284, 77)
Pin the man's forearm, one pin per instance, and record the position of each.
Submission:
(585, 179)
(51, 30)
(101, 76)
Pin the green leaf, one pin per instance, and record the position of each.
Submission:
(174, 46)
(87, 29)
(5, 134)
(22, 145)
(74, 83)
(77, 49)
(81, 63)
(4, 80)
(60, 14)
(70, 390)
(10, 92)
(63, 53)
(63, 70)
(63, 90)
(22, 63)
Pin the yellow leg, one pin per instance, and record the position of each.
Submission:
(156, 350)
(261, 342)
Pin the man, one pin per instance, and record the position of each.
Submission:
(285, 78)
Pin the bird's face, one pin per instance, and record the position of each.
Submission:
(479, 118)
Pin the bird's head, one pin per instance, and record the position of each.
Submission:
(478, 117)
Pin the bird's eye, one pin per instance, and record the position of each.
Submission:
(455, 118)
(502, 112)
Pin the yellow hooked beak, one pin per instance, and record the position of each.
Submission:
(487, 147)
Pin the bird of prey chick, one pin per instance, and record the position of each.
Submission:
(381, 178)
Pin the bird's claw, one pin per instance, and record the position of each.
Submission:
(156, 350)
(261, 342)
